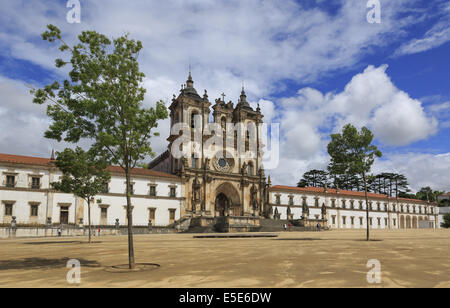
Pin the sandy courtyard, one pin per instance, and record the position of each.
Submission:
(409, 258)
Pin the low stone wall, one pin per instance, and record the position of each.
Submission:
(310, 223)
(23, 232)
(238, 224)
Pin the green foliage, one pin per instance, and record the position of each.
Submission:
(444, 202)
(391, 184)
(351, 151)
(446, 223)
(314, 178)
(102, 100)
(84, 173)
(427, 194)
(407, 195)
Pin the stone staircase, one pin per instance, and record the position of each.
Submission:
(200, 229)
(266, 225)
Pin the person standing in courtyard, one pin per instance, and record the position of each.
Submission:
(318, 226)
(59, 231)
(285, 227)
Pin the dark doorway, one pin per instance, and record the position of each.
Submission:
(222, 204)
(64, 216)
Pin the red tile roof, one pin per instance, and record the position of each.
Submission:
(26, 160)
(333, 191)
(46, 162)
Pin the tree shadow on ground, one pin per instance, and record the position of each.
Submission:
(297, 239)
(60, 242)
(41, 263)
(374, 240)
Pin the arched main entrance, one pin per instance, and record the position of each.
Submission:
(222, 204)
(227, 201)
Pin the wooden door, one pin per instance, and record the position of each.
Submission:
(64, 216)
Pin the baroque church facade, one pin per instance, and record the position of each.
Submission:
(208, 185)
(217, 182)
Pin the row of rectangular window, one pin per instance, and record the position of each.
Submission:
(361, 221)
(344, 206)
(11, 182)
(152, 214)
(36, 184)
(34, 209)
(103, 211)
(152, 192)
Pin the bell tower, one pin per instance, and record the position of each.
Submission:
(193, 111)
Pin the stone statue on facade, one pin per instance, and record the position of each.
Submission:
(244, 167)
(196, 189)
(184, 163)
(305, 210)
(324, 211)
(254, 197)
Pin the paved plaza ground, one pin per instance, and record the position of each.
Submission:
(409, 258)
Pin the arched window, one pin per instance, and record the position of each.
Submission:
(194, 162)
(175, 118)
(250, 169)
(193, 115)
(192, 120)
(247, 141)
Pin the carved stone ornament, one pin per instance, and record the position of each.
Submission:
(221, 165)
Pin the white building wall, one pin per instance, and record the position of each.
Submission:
(388, 220)
(50, 202)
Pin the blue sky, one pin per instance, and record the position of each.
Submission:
(312, 65)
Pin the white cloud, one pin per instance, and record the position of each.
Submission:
(421, 169)
(402, 121)
(227, 42)
(369, 99)
(436, 36)
(437, 108)
(22, 123)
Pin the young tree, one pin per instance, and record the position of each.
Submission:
(352, 152)
(84, 174)
(103, 101)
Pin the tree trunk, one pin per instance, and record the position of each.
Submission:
(367, 206)
(131, 261)
(89, 218)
